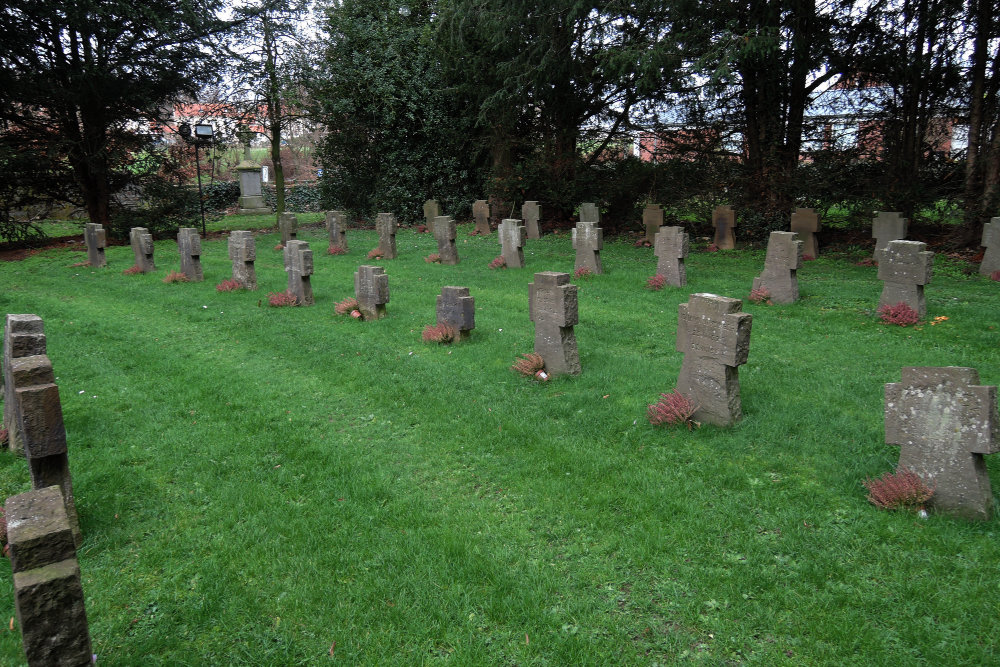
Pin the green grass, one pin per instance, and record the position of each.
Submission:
(255, 484)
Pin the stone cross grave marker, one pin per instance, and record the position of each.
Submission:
(371, 289)
(805, 223)
(671, 248)
(590, 213)
(431, 211)
(783, 259)
(243, 253)
(23, 336)
(444, 234)
(888, 227)
(385, 225)
(904, 267)
(991, 241)
(944, 423)
(715, 338)
(97, 241)
(512, 235)
(142, 248)
(288, 225)
(299, 267)
(457, 309)
(481, 214)
(251, 201)
(48, 595)
(552, 306)
(531, 213)
(724, 221)
(588, 239)
(336, 228)
(652, 220)
(189, 246)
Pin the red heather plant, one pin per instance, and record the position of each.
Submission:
(583, 273)
(335, 249)
(433, 258)
(711, 247)
(228, 285)
(529, 364)
(73, 266)
(3, 532)
(643, 243)
(347, 307)
(421, 229)
(760, 295)
(807, 258)
(3, 436)
(132, 271)
(439, 333)
(175, 277)
(498, 263)
(279, 247)
(900, 490)
(901, 314)
(672, 408)
(656, 282)
(995, 275)
(281, 299)
(375, 253)
(867, 261)
(475, 232)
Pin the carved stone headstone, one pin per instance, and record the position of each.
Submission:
(991, 241)
(23, 336)
(805, 223)
(48, 595)
(671, 248)
(588, 239)
(444, 234)
(590, 213)
(552, 306)
(715, 338)
(371, 289)
(299, 267)
(385, 225)
(189, 246)
(531, 213)
(431, 211)
(336, 228)
(512, 235)
(457, 309)
(97, 241)
(288, 225)
(888, 227)
(944, 423)
(481, 215)
(251, 200)
(142, 248)
(904, 267)
(724, 221)
(652, 220)
(243, 254)
(783, 259)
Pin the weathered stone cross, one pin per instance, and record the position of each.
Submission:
(783, 259)
(189, 246)
(385, 225)
(552, 306)
(142, 248)
(444, 234)
(532, 214)
(905, 267)
(336, 228)
(243, 253)
(96, 239)
(299, 267)
(457, 309)
(671, 248)
(588, 239)
(512, 235)
(371, 289)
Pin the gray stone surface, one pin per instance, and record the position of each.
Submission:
(991, 241)
(97, 241)
(251, 200)
(371, 289)
(299, 267)
(724, 222)
(588, 239)
(886, 227)
(481, 216)
(671, 249)
(432, 210)
(38, 529)
(288, 226)
(806, 223)
(23, 336)
(336, 228)
(904, 267)
(531, 213)
(189, 247)
(715, 338)
(512, 235)
(783, 259)
(590, 213)
(444, 234)
(652, 220)
(142, 248)
(385, 225)
(243, 254)
(552, 306)
(944, 423)
(456, 308)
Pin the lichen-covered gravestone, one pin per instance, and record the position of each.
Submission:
(944, 423)
(715, 338)
(904, 267)
(991, 241)
(531, 213)
(336, 228)
(189, 246)
(243, 253)
(48, 595)
(886, 227)
(23, 336)
(805, 223)
(97, 241)
(142, 248)
(588, 239)
(783, 259)
(432, 210)
(481, 214)
(652, 220)
(385, 225)
(671, 248)
(457, 309)
(444, 234)
(288, 225)
(724, 221)
(552, 306)
(371, 289)
(299, 267)
(512, 235)
(590, 213)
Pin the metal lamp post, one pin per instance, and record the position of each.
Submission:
(203, 132)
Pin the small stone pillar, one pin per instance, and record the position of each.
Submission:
(552, 306)
(243, 253)
(189, 246)
(371, 289)
(444, 233)
(142, 248)
(336, 228)
(588, 239)
(652, 220)
(531, 213)
(481, 214)
(23, 336)
(724, 221)
(590, 213)
(251, 200)
(512, 235)
(385, 225)
(783, 259)
(671, 248)
(888, 227)
(299, 267)
(805, 223)
(904, 267)
(97, 241)
(457, 309)
(991, 241)
(288, 225)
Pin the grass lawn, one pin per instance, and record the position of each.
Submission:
(276, 486)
